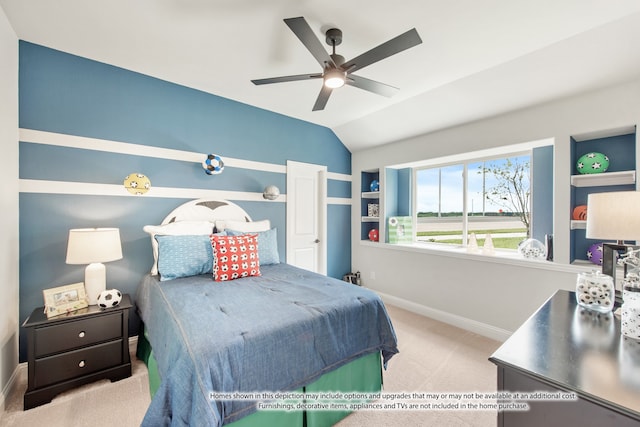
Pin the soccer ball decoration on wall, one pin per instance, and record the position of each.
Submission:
(137, 183)
(592, 163)
(109, 298)
(213, 164)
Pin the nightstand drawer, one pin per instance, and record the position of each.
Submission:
(53, 369)
(79, 333)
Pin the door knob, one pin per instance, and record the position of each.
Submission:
(316, 241)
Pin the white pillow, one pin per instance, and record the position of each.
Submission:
(244, 226)
(179, 228)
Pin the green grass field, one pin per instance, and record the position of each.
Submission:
(498, 242)
(497, 231)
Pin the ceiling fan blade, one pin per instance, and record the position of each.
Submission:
(323, 97)
(286, 79)
(303, 31)
(402, 42)
(371, 85)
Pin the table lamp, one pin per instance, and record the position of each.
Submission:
(93, 246)
(613, 216)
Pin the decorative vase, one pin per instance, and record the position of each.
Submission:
(630, 317)
(595, 291)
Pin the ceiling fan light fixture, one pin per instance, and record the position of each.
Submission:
(334, 78)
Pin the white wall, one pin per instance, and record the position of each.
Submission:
(482, 294)
(8, 205)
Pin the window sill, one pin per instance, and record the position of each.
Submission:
(506, 257)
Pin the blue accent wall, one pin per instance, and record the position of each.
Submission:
(404, 192)
(542, 195)
(67, 94)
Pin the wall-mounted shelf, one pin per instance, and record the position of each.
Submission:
(370, 194)
(578, 225)
(604, 179)
(370, 219)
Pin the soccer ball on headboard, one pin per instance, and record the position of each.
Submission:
(109, 298)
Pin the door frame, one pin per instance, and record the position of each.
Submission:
(321, 214)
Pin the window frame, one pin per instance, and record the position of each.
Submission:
(465, 161)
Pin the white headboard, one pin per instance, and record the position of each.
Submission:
(207, 210)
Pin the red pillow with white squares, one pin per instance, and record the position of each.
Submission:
(235, 256)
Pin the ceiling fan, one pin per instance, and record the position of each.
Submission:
(337, 72)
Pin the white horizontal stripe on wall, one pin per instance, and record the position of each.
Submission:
(91, 189)
(338, 176)
(84, 143)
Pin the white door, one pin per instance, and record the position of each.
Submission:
(307, 216)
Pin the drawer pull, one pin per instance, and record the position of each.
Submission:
(81, 364)
(81, 334)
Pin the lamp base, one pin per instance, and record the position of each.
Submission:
(95, 281)
(610, 254)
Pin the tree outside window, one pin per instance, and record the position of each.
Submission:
(497, 201)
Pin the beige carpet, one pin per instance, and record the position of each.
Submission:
(434, 357)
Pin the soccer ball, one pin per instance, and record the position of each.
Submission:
(594, 253)
(593, 163)
(373, 235)
(213, 164)
(375, 185)
(109, 298)
(137, 184)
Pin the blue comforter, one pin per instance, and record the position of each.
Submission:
(276, 332)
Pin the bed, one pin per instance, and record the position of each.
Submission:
(215, 342)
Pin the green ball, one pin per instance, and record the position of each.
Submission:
(593, 163)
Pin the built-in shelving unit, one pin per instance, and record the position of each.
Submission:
(367, 197)
(619, 146)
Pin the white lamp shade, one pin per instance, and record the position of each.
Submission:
(94, 246)
(89, 245)
(614, 215)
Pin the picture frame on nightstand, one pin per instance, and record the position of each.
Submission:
(64, 299)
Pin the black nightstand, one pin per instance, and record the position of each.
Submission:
(74, 349)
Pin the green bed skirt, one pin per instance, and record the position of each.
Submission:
(361, 375)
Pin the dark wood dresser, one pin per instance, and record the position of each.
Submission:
(70, 350)
(564, 348)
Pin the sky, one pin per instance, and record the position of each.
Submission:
(452, 182)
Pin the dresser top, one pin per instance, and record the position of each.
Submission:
(576, 349)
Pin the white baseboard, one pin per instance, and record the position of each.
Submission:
(480, 328)
(21, 369)
(8, 388)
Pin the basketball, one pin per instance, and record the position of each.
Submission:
(580, 213)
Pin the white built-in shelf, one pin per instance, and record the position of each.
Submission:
(370, 194)
(370, 219)
(578, 225)
(604, 179)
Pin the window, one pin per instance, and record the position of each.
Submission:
(480, 196)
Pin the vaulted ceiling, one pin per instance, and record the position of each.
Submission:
(478, 58)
